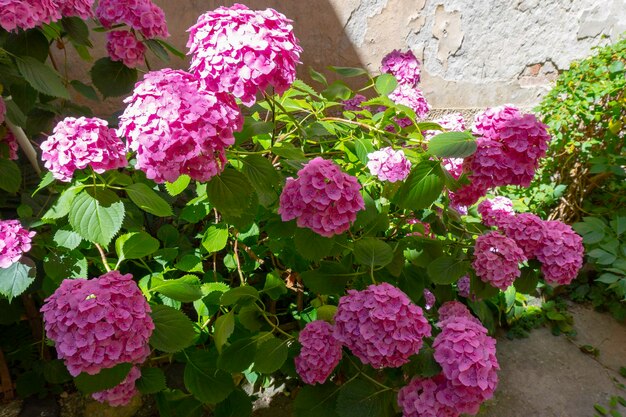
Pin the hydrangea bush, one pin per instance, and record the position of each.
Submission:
(249, 227)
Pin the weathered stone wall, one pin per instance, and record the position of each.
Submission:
(475, 53)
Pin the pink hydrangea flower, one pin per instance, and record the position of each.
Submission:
(322, 198)
(496, 211)
(81, 8)
(488, 123)
(9, 146)
(380, 325)
(561, 253)
(419, 398)
(238, 50)
(412, 98)
(141, 15)
(122, 393)
(320, 352)
(79, 143)
(453, 122)
(22, 14)
(452, 309)
(496, 260)
(402, 65)
(463, 286)
(429, 299)
(98, 323)
(389, 165)
(454, 166)
(177, 127)
(527, 230)
(123, 46)
(14, 241)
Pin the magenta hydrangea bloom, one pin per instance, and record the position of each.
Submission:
(98, 323)
(320, 352)
(412, 98)
(402, 65)
(322, 198)
(463, 286)
(453, 122)
(240, 51)
(561, 253)
(141, 15)
(419, 398)
(122, 393)
(429, 299)
(496, 212)
(79, 143)
(14, 241)
(80, 8)
(354, 103)
(496, 260)
(452, 309)
(123, 46)
(488, 123)
(454, 166)
(177, 127)
(527, 230)
(389, 165)
(380, 325)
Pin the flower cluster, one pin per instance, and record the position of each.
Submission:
(123, 46)
(322, 198)
(463, 286)
(389, 165)
(420, 398)
(453, 122)
(122, 393)
(141, 15)
(320, 352)
(380, 325)
(14, 241)
(98, 323)
(80, 8)
(238, 50)
(527, 230)
(178, 128)
(496, 259)
(496, 211)
(27, 14)
(561, 254)
(411, 97)
(402, 65)
(79, 143)
(509, 147)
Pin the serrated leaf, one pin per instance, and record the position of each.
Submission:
(152, 381)
(135, 245)
(230, 192)
(238, 356)
(317, 400)
(270, 355)
(105, 379)
(157, 49)
(312, 246)
(63, 204)
(178, 186)
(148, 200)
(77, 30)
(172, 49)
(185, 289)
(263, 176)
(55, 372)
(385, 84)
(452, 145)
(85, 90)
(31, 43)
(42, 77)
(112, 78)
(527, 282)
(372, 252)
(204, 381)
(361, 398)
(240, 295)
(173, 331)
(15, 279)
(447, 269)
(10, 176)
(95, 222)
(215, 238)
(67, 239)
(238, 404)
(422, 187)
(348, 71)
(224, 326)
(329, 278)
(274, 285)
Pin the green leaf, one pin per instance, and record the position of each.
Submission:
(223, 328)
(270, 355)
(157, 49)
(204, 381)
(112, 78)
(10, 176)
(263, 177)
(372, 252)
(30, 43)
(67, 239)
(135, 245)
(55, 372)
(95, 222)
(77, 30)
(363, 147)
(452, 145)
(330, 278)
(85, 90)
(317, 400)
(527, 282)
(338, 90)
(103, 380)
(15, 279)
(423, 364)
(238, 404)
(385, 84)
(361, 398)
(312, 246)
(274, 285)
(172, 49)
(42, 77)
(238, 356)
(421, 188)
(447, 269)
(185, 289)
(348, 71)
(215, 238)
(152, 381)
(230, 192)
(148, 200)
(63, 204)
(178, 186)
(239, 295)
(485, 315)
(173, 330)
(14, 113)
(317, 76)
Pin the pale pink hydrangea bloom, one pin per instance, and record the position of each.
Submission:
(527, 230)
(496, 260)
(463, 286)
(496, 212)
(389, 165)
(80, 8)
(123, 46)
(10, 142)
(561, 253)
(322, 198)
(98, 323)
(429, 299)
(79, 143)
(14, 241)
(402, 65)
(141, 15)
(122, 393)
(412, 98)
(453, 122)
(240, 51)
(177, 127)
(380, 325)
(320, 352)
